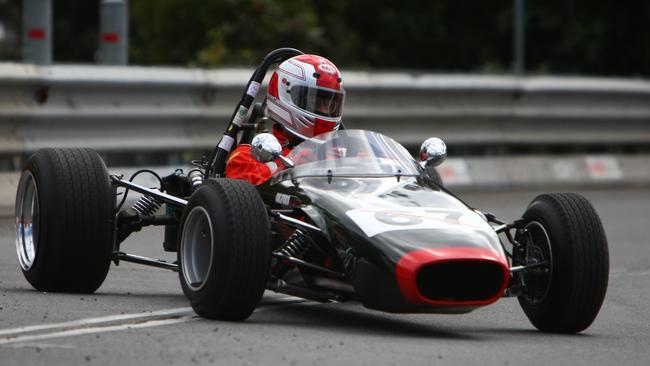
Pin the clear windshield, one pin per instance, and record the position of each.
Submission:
(351, 153)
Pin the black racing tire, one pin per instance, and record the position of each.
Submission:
(65, 220)
(224, 249)
(579, 263)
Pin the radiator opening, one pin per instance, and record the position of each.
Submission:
(460, 281)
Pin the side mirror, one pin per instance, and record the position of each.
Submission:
(433, 152)
(265, 148)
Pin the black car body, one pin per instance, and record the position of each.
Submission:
(404, 243)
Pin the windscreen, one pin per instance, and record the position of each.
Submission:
(351, 153)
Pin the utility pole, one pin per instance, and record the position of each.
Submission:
(519, 39)
(113, 32)
(37, 31)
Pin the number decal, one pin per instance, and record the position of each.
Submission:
(377, 221)
(397, 218)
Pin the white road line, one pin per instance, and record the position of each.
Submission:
(113, 323)
(110, 328)
(99, 320)
(628, 273)
(41, 345)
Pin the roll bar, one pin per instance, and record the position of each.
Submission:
(217, 163)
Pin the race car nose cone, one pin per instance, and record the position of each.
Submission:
(453, 276)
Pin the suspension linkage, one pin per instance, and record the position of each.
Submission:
(504, 228)
(164, 197)
(159, 263)
(300, 262)
(294, 222)
(526, 267)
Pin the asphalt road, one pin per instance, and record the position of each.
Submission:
(140, 316)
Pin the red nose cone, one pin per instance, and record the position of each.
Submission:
(452, 276)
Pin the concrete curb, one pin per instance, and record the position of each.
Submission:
(473, 174)
(546, 171)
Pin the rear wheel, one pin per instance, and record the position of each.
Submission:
(564, 230)
(64, 220)
(225, 249)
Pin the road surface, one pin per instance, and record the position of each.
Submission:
(140, 316)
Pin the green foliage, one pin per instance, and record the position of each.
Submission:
(598, 37)
(75, 30)
(604, 37)
(218, 32)
(9, 17)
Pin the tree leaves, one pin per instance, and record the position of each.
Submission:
(604, 37)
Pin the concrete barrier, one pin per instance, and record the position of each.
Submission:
(564, 171)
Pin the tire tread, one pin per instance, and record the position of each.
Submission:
(76, 224)
(245, 239)
(581, 263)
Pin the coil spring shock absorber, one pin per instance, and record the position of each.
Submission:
(196, 178)
(130, 220)
(296, 246)
(146, 206)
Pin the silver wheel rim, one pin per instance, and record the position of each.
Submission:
(197, 244)
(27, 214)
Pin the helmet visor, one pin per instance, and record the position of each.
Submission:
(322, 102)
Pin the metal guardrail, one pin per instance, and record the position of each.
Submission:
(163, 109)
(536, 172)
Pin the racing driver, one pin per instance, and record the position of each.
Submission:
(304, 99)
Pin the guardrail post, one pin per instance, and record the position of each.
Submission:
(37, 31)
(114, 32)
(519, 38)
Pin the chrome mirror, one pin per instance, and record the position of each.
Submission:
(265, 147)
(433, 152)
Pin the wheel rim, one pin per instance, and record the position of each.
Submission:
(197, 245)
(27, 218)
(538, 281)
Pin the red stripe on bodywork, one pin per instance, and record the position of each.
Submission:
(408, 265)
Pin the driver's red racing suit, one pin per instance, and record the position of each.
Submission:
(242, 165)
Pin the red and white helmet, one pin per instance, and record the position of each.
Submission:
(306, 96)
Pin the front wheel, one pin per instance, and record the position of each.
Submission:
(224, 249)
(64, 220)
(564, 231)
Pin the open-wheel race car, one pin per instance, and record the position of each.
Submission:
(352, 216)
